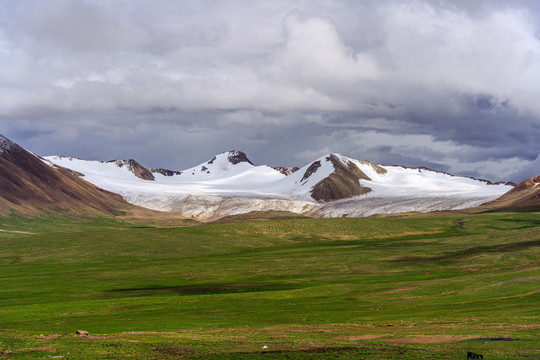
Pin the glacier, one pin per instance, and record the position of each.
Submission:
(229, 184)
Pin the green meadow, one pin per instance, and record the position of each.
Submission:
(371, 288)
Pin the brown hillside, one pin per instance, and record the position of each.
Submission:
(524, 196)
(28, 185)
(342, 183)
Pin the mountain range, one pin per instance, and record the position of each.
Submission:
(229, 184)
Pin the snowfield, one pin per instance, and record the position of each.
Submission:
(229, 184)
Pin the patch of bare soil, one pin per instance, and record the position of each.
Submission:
(49, 336)
(428, 339)
(397, 290)
(17, 232)
(364, 337)
(175, 350)
(527, 278)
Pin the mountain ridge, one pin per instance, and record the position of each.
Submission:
(230, 184)
(236, 157)
(332, 185)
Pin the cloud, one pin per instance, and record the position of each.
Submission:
(451, 84)
(314, 52)
(494, 54)
(105, 52)
(79, 26)
(526, 170)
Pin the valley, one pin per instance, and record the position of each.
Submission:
(380, 288)
(257, 180)
(340, 259)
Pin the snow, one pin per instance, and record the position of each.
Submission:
(220, 177)
(218, 188)
(296, 188)
(400, 181)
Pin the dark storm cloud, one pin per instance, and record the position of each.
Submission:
(445, 84)
(476, 121)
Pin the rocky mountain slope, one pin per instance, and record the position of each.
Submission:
(525, 196)
(332, 185)
(28, 185)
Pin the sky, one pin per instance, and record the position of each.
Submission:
(449, 85)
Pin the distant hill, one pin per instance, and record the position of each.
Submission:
(525, 196)
(29, 185)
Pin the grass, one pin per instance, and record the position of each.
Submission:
(377, 288)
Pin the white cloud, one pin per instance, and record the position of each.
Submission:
(290, 61)
(496, 54)
(420, 70)
(315, 53)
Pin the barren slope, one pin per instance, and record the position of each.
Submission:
(28, 185)
(524, 196)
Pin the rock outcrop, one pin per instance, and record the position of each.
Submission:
(342, 183)
(140, 171)
(286, 170)
(236, 157)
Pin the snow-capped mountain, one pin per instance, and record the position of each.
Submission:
(332, 185)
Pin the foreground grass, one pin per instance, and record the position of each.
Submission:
(305, 288)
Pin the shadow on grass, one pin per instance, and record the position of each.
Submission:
(499, 339)
(526, 222)
(365, 351)
(472, 252)
(207, 289)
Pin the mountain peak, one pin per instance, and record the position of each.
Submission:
(233, 156)
(342, 183)
(6, 144)
(236, 157)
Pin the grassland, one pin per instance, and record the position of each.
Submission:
(374, 288)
